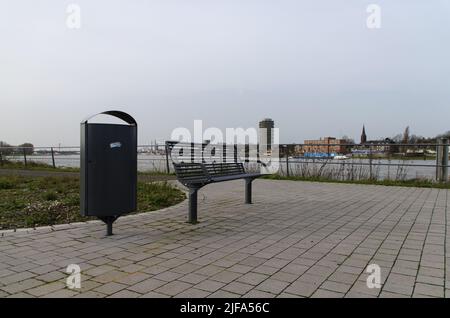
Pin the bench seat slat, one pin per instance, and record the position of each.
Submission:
(204, 173)
(234, 177)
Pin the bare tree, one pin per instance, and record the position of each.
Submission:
(405, 139)
(397, 138)
(27, 147)
(5, 148)
(444, 135)
(348, 139)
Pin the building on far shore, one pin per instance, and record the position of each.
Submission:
(326, 145)
(380, 146)
(363, 136)
(266, 134)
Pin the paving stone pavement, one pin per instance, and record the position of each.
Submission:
(298, 239)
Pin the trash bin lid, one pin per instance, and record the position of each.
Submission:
(115, 113)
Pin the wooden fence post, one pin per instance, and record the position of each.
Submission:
(53, 158)
(25, 157)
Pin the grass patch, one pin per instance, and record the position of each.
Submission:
(39, 201)
(34, 165)
(420, 183)
(6, 184)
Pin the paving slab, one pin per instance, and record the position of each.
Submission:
(297, 239)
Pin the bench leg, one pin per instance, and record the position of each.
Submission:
(248, 191)
(192, 217)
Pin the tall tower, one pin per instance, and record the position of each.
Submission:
(363, 136)
(266, 137)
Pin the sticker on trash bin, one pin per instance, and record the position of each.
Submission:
(115, 144)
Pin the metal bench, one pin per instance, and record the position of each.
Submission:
(194, 169)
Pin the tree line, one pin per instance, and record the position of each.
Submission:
(7, 149)
(408, 138)
(405, 138)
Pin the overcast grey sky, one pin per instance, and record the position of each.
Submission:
(312, 66)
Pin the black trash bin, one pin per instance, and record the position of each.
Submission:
(108, 168)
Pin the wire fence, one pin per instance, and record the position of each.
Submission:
(375, 160)
(342, 161)
(151, 158)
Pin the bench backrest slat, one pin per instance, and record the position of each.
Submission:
(202, 153)
(191, 172)
(192, 165)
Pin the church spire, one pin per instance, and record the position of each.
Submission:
(363, 135)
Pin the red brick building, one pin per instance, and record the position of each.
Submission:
(326, 145)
